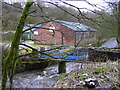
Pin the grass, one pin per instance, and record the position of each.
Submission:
(6, 41)
(65, 76)
(38, 46)
(102, 69)
(106, 72)
(98, 70)
(81, 77)
(95, 69)
(62, 77)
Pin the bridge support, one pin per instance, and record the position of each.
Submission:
(62, 67)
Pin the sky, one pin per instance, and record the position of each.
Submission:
(82, 4)
(77, 3)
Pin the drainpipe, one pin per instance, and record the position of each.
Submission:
(119, 35)
(62, 38)
(75, 39)
(119, 23)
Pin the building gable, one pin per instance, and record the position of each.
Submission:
(61, 32)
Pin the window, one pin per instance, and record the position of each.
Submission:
(35, 32)
(52, 28)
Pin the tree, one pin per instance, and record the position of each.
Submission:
(38, 12)
(10, 16)
(10, 60)
(18, 5)
(108, 27)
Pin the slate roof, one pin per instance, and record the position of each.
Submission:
(75, 26)
(72, 25)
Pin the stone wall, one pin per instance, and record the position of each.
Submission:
(21, 66)
(103, 55)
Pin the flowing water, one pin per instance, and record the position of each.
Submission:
(41, 79)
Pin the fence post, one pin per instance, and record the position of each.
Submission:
(62, 67)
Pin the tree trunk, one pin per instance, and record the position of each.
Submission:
(9, 61)
(62, 67)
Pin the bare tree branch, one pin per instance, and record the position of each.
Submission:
(73, 14)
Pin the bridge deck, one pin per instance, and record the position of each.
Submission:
(74, 54)
(66, 60)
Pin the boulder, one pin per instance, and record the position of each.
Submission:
(91, 83)
(111, 43)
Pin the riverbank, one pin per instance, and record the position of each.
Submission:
(106, 75)
(41, 78)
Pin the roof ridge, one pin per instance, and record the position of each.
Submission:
(75, 26)
(67, 21)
